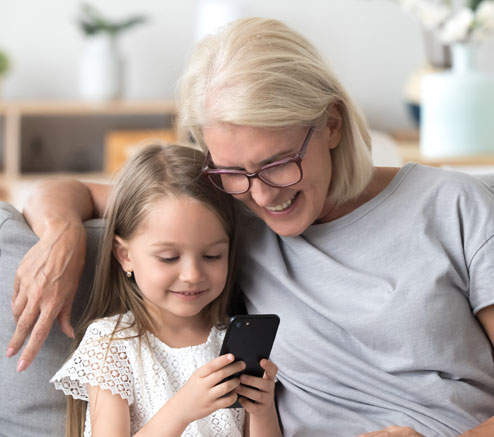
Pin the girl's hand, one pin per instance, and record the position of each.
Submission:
(203, 394)
(393, 431)
(261, 401)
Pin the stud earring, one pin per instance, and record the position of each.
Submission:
(129, 274)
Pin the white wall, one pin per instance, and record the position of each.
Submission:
(371, 44)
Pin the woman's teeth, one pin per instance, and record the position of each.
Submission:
(283, 206)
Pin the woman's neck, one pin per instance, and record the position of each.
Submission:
(380, 180)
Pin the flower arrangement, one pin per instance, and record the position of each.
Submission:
(471, 22)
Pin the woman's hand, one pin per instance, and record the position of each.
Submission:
(44, 287)
(393, 431)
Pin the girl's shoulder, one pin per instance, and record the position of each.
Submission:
(116, 326)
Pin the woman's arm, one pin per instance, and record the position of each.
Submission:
(486, 319)
(48, 276)
(486, 429)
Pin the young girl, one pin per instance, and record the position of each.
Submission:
(148, 362)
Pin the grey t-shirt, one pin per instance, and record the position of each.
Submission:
(378, 307)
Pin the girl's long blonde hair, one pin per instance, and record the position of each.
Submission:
(154, 173)
(259, 72)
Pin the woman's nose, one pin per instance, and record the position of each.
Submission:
(262, 194)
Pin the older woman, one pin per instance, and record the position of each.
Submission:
(382, 277)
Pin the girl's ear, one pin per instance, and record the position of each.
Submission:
(121, 252)
(334, 124)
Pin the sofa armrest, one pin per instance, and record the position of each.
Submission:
(29, 405)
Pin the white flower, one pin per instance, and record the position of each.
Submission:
(457, 28)
(484, 21)
(452, 24)
(430, 14)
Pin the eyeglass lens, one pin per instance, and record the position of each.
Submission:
(279, 176)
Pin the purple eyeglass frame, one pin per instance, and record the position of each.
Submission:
(297, 159)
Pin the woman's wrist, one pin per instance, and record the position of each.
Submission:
(53, 204)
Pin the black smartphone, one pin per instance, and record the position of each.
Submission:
(250, 338)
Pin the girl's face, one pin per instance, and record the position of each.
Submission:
(179, 258)
(287, 211)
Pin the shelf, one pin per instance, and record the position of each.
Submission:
(49, 129)
(49, 108)
(408, 143)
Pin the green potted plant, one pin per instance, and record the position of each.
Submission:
(4, 67)
(102, 68)
(92, 22)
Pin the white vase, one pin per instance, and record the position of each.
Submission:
(458, 109)
(101, 69)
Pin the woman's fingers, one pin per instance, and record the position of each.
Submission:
(39, 333)
(64, 320)
(44, 289)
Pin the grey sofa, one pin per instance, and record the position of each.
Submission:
(29, 406)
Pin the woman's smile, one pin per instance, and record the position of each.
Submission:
(283, 207)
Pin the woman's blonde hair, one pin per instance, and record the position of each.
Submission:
(259, 72)
(154, 173)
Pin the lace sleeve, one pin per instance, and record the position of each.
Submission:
(97, 362)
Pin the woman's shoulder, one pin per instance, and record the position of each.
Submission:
(448, 182)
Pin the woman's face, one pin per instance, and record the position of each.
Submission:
(287, 211)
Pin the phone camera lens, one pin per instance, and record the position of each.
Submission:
(238, 324)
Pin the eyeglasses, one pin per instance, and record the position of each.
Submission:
(283, 173)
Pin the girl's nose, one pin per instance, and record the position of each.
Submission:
(192, 272)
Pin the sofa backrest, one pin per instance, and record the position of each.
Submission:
(29, 405)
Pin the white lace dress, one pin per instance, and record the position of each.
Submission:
(146, 381)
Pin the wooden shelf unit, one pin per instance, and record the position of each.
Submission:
(13, 112)
(408, 142)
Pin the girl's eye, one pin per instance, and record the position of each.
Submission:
(212, 257)
(168, 260)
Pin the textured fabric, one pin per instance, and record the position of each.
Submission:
(383, 300)
(146, 375)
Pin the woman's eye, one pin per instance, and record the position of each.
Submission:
(168, 260)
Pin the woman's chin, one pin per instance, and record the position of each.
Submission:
(287, 228)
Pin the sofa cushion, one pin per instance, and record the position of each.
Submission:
(29, 404)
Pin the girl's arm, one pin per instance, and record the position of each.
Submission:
(47, 278)
(200, 396)
(109, 413)
(262, 420)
